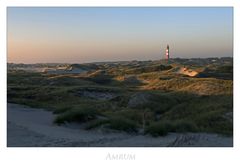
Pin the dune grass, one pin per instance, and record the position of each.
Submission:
(162, 128)
(77, 114)
(173, 103)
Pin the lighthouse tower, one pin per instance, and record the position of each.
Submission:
(167, 53)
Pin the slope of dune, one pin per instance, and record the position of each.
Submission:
(33, 127)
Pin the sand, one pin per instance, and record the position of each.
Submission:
(187, 72)
(30, 127)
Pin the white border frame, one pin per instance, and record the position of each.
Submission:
(88, 155)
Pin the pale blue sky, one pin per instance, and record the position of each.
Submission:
(110, 34)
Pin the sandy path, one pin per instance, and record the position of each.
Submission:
(34, 127)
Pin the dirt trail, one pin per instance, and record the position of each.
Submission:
(34, 127)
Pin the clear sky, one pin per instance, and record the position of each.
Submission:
(77, 35)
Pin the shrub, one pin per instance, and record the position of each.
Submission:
(159, 128)
(61, 110)
(101, 79)
(122, 124)
(134, 115)
(162, 128)
(147, 69)
(96, 123)
(83, 114)
(225, 69)
(215, 122)
(184, 126)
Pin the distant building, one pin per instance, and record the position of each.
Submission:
(167, 53)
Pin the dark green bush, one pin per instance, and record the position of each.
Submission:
(162, 128)
(61, 110)
(122, 124)
(184, 126)
(134, 115)
(159, 128)
(96, 123)
(215, 122)
(101, 79)
(225, 69)
(82, 114)
(147, 69)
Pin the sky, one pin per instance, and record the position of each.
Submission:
(88, 34)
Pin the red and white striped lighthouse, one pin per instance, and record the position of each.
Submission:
(167, 52)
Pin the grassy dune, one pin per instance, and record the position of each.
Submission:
(150, 99)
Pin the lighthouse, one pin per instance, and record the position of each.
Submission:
(167, 53)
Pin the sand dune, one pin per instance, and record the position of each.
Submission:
(34, 127)
(186, 71)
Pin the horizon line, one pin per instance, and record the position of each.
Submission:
(112, 61)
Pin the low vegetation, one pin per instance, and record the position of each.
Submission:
(145, 97)
(80, 114)
(162, 128)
